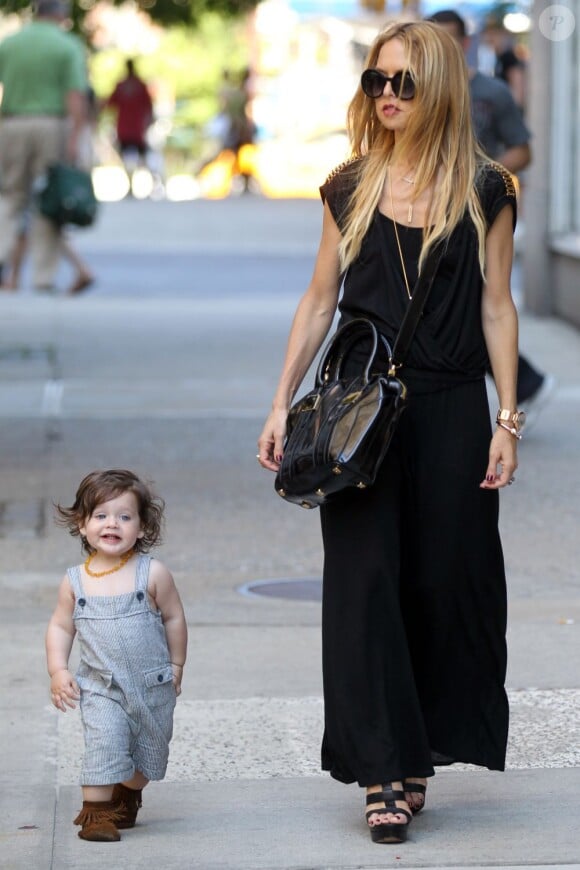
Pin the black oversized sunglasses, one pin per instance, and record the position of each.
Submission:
(373, 83)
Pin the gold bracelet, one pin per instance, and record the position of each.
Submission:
(513, 418)
(513, 431)
(175, 665)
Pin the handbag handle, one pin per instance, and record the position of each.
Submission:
(340, 345)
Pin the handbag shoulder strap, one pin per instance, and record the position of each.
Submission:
(414, 311)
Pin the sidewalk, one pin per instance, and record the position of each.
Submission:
(177, 388)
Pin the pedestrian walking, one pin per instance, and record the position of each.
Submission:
(509, 66)
(502, 134)
(43, 75)
(241, 130)
(83, 277)
(132, 633)
(414, 595)
(133, 105)
(235, 131)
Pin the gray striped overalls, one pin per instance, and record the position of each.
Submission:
(125, 678)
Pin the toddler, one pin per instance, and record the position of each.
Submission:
(128, 615)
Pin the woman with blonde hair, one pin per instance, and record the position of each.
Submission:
(414, 596)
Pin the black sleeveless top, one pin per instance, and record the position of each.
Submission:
(449, 345)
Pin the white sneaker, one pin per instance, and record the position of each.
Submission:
(534, 406)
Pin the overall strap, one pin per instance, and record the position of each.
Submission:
(142, 572)
(74, 577)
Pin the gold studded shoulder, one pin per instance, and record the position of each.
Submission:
(340, 168)
(508, 179)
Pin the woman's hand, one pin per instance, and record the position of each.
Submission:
(64, 690)
(503, 460)
(310, 326)
(271, 441)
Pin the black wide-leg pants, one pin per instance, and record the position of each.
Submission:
(414, 603)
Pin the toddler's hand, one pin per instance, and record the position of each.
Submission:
(177, 675)
(64, 690)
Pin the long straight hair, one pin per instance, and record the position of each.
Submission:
(439, 139)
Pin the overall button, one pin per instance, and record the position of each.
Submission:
(140, 596)
(81, 602)
(160, 678)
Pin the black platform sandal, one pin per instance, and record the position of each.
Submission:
(415, 788)
(388, 832)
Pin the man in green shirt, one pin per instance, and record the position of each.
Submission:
(44, 81)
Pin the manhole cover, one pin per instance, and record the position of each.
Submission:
(299, 589)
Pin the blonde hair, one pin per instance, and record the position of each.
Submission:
(439, 138)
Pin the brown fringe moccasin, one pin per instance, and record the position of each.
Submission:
(127, 803)
(99, 821)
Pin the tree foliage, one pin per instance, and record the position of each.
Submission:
(165, 12)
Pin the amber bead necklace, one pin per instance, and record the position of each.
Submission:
(124, 560)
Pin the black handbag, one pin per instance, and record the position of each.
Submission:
(338, 434)
(65, 195)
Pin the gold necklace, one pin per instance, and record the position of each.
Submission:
(410, 211)
(124, 560)
(397, 233)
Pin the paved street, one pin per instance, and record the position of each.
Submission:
(167, 366)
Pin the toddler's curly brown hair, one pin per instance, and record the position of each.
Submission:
(101, 486)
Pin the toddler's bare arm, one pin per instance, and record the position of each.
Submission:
(60, 633)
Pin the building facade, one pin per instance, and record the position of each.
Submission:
(551, 203)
